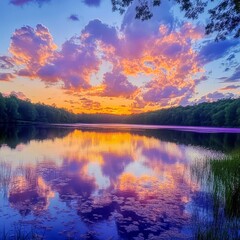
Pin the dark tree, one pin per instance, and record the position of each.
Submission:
(224, 15)
(225, 112)
(3, 114)
(12, 108)
(27, 110)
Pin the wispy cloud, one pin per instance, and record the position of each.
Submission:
(215, 50)
(230, 87)
(6, 77)
(92, 3)
(235, 76)
(211, 97)
(24, 2)
(73, 17)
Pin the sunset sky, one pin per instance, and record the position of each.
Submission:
(82, 56)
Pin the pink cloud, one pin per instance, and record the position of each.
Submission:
(154, 49)
(32, 48)
(167, 92)
(6, 62)
(211, 97)
(73, 65)
(89, 104)
(230, 87)
(19, 95)
(6, 77)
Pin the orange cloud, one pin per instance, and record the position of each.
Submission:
(162, 55)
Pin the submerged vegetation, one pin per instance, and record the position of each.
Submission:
(224, 112)
(221, 179)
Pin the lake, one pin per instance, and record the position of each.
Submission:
(119, 182)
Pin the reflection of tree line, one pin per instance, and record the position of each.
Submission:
(12, 135)
(225, 142)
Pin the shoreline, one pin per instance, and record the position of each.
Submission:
(125, 126)
(198, 129)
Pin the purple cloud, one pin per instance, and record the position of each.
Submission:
(89, 104)
(235, 77)
(202, 78)
(215, 50)
(211, 97)
(92, 3)
(172, 49)
(6, 62)
(19, 95)
(6, 77)
(116, 84)
(23, 2)
(32, 47)
(73, 17)
(97, 30)
(166, 92)
(73, 65)
(230, 87)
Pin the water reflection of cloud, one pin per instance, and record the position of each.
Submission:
(29, 193)
(115, 164)
(139, 182)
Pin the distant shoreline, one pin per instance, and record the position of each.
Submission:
(122, 126)
(198, 129)
(224, 113)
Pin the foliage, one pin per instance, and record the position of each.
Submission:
(221, 113)
(13, 109)
(221, 179)
(224, 112)
(224, 15)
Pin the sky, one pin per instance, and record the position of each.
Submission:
(82, 56)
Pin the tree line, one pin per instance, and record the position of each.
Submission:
(225, 112)
(13, 109)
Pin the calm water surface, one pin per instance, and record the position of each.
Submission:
(105, 183)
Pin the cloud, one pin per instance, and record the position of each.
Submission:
(230, 87)
(6, 62)
(152, 63)
(19, 95)
(165, 55)
(6, 77)
(215, 50)
(73, 65)
(200, 79)
(24, 2)
(211, 97)
(235, 76)
(32, 48)
(157, 94)
(92, 3)
(95, 30)
(35, 51)
(116, 85)
(73, 17)
(89, 104)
